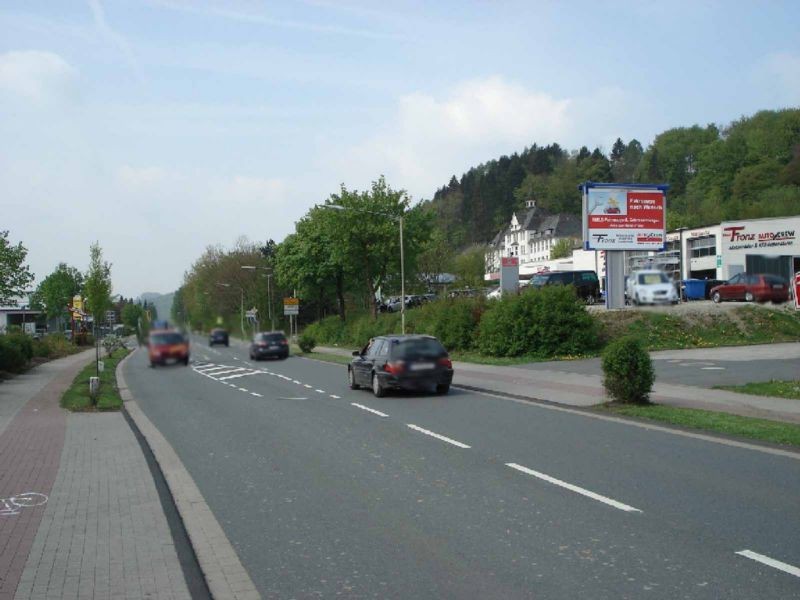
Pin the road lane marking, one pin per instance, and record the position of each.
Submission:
(437, 436)
(297, 382)
(241, 389)
(238, 375)
(235, 358)
(574, 488)
(233, 385)
(308, 386)
(770, 562)
(286, 398)
(256, 394)
(214, 369)
(247, 362)
(320, 391)
(229, 371)
(712, 368)
(335, 396)
(368, 409)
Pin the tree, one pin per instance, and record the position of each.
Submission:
(55, 292)
(562, 249)
(98, 284)
(15, 275)
(435, 257)
(470, 266)
(131, 313)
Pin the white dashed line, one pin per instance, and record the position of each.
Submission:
(713, 368)
(242, 389)
(233, 385)
(247, 362)
(770, 562)
(368, 409)
(235, 358)
(256, 394)
(335, 396)
(308, 386)
(437, 436)
(297, 382)
(574, 488)
(320, 391)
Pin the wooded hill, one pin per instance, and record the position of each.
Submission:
(748, 169)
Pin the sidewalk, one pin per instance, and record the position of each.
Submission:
(578, 389)
(80, 516)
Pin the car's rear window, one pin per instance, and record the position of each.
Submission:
(773, 279)
(653, 278)
(271, 337)
(160, 339)
(418, 348)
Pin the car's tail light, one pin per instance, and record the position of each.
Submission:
(284, 343)
(446, 362)
(262, 344)
(395, 368)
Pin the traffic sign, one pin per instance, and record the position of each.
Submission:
(111, 317)
(291, 306)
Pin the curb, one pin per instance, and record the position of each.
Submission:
(224, 574)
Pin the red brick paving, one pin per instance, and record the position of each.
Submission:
(30, 453)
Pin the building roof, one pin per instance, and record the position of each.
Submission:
(538, 220)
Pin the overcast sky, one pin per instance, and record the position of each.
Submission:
(159, 127)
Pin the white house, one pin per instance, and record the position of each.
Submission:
(530, 236)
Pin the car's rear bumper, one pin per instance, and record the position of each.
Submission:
(417, 381)
(270, 352)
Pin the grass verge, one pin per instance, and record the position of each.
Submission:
(734, 425)
(778, 389)
(77, 398)
(324, 356)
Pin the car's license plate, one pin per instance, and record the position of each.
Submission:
(273, 347)
(423, 366)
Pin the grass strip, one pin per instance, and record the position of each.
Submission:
(777, 389)
(765, 430)
(77, 398)
(323, 356)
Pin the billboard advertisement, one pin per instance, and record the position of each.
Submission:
(622, 217)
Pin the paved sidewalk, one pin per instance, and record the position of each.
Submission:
(80, 516)
(581, 389)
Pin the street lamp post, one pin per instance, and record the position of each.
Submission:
(399, 220)
(269, 290)
(680, 255)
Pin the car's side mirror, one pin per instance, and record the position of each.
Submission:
(356, 353)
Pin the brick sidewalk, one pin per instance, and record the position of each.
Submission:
(101, 531)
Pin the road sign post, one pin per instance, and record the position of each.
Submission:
(291, 308)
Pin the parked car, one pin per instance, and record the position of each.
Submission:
(651, 287)
(761, 288)
(587, 286)
(269, 344)
(167, 346)
(218, 336)
(409, 362)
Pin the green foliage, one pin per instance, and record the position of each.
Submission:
(306, 342)
(454, 321)
(628, 371)
(77, 398)
(53, 346)
(12, 354)
(15, 275)
(469, 266)
(545, 322)
(562, 248)
(131, 313)
(56, 290)
(98, 284)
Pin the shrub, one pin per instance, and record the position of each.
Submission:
(545, 322)
(306, 342)
(628, 371)
(12, 355)
(112, 343)
(24, 342)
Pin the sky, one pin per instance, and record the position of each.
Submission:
(159, 127)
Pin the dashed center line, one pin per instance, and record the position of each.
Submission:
(770, 562)
(712, 368)
(306, 385)
(574, 488)
(320, 391)
(256, 394)
(335, 396)
(437, 436)
(368, 409)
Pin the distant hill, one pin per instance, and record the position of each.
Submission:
(748, 169)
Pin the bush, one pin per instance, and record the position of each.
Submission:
(12, 354)
(306, 342)
(547, 322)
(628, 371)
(24, 342)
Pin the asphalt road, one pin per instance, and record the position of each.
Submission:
(328, 492)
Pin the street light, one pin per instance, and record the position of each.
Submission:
(399, 220)
(269, 290)
(680, 255)
(241, 309)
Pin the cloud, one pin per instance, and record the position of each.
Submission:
(429, 138)
(42, 77)
(114, 38)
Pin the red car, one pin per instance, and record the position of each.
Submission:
(752, 287)
(167, 346)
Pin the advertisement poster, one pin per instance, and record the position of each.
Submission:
(624, 218)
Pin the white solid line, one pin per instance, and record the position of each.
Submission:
(335, 396)
(770, 562)
(320, 391)
(574, 488)
(238, 375)
(437, 436)
(256, 394)
(217, 368)
(368, 409)
(211, 367)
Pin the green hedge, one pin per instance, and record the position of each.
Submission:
(13, 356)
(547, 322)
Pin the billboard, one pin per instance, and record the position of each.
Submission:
(624, 216)
(291, 306)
